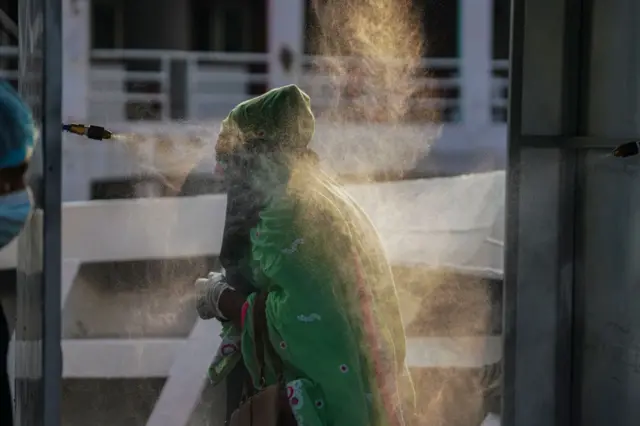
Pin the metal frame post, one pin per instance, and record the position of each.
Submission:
(52, 204)
(546, 128)
(565, 261)
(38, 358)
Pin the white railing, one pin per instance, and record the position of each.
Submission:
(211, 83)
(174, 84)
(217, 81)
(113, 88)
(500, 89)
(158, 85)
(435, 88)
(429, 230)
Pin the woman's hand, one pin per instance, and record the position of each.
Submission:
(230, 304)
(208, 292)
(216, 299)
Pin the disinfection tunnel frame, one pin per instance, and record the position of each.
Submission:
(48, 165)
(551, 137)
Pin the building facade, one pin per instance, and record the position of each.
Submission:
(175, 68)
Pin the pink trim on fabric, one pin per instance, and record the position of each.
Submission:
(370, 331)
(243, 313)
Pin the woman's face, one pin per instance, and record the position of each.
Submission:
(248, 160)
(228, 151)
(233, 166)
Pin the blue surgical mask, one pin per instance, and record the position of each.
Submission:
(15, 209)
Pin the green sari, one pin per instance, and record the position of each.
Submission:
(332, 310)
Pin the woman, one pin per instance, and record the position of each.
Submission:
(235, 256)
(331, 308)
(16, 146)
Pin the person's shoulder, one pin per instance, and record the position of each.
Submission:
(279, 208)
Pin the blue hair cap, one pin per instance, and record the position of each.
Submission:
(17, 131)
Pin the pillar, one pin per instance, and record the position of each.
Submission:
(285, 31)
(76, 67)
(76, 37)
(476, 32)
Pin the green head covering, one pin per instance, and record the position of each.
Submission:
(281, 117)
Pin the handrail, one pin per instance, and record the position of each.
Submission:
(9, 50)
(424, 62)
(167, 228)
(216, 81)
(501, 64)
(177, 55)
(236, 57)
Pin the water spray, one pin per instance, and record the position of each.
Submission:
(167, 158)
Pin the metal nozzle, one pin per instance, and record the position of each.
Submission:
(97, 133)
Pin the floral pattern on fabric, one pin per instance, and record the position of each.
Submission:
(307, 403)
(333, 381)
(227, 356)
(294, 393)
(309, 318)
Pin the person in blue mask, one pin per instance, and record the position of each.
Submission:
(17, 139)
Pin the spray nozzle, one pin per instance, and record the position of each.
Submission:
(97, 133)
(627, 149)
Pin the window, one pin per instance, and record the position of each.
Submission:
(440, 20)
(228, 26)
(501, 28)
(200, 26)
(440, 27)
(235, 32)
(106, 24)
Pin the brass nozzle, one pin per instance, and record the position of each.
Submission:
(97, 133)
